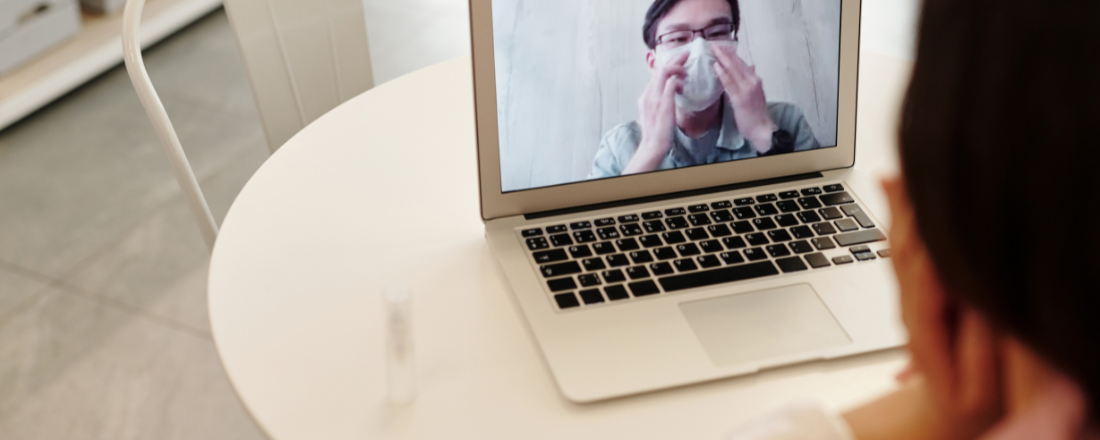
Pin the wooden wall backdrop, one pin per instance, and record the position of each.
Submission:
(569, 70)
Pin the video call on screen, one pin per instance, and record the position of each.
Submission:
(581, 84)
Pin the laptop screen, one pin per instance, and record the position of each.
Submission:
(597, 89)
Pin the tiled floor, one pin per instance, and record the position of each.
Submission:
(104, 331)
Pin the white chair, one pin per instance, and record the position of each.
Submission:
(303, 58)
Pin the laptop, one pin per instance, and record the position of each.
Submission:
(668, 186)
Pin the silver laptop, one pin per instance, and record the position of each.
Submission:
(668, 187)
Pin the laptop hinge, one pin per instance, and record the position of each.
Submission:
(675, 195)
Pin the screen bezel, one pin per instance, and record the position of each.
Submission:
(497, 204)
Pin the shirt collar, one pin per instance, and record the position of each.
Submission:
(730, 138)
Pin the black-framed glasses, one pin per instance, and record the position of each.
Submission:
(714, 32)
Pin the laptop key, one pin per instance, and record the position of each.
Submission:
(823, 243)
(811, 192)
(745, 201)
(824, 229)
(537, 243)
(561, 284)
(793, 264)
(644, 288)
(834, 188)
(809, 203)
(578, 252)
(722, 216)
(675, 212)
(707, 261)
(651, 215)
(593, 264)
(614, 276)
(710, 246)
(609, 233)
(757, 239)
(766, 209)
(674, 237)
(818, 260)
(719, 231)
(778, 250)
(654, 226)
(742, 227)
(676, 222)
(532, 233)
(766, 198)
(721, 205)
(651, 241)
(659, 269)
(591, 297)
(560, 269)
(665, 253)
(627, 244)
(843, 259)
(718, 276)
(688, 250)
(551, 256)
(603, 222)
(685, 265)
(556, 229)
(858, 249)
(831, 213)
(589, 280)
(840, 198)
(584, 236)
(801, 247)
(733, 257)
(698, 208)
(846, 225)
(786, 195)
(616, 293)
(809, 217)
(866, 256)
(802, 232)
(788, 206)
(699, 219)
(632, 218)
(641, 257)
(786, 220)
(631, 230)
(566, 301)
(885, 253)
(697, 234)
(561, 240)
(604, 248)
(755, 254)
(744, 213)
(637, 272)
(617, 260)
(734, 243)
(764, 224)
(779, 236)
(861, 237)
(580, 225)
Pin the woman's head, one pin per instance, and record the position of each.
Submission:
(1000, 159)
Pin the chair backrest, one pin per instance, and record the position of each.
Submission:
(303, 58)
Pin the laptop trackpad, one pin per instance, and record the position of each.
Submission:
(763, 324)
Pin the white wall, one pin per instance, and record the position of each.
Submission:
(569, 70)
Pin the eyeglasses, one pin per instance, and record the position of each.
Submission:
(714, 32)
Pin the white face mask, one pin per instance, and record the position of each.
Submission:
(701, 87)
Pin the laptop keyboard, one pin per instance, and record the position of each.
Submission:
(614, 259)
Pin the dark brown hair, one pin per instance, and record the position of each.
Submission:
(1001, 157)
(660, 8)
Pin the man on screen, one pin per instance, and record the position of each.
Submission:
(704, 104)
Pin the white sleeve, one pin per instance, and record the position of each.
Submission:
(801, 421)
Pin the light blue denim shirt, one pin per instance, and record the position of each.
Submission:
(620, 143)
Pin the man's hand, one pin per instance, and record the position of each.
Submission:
(746, 95)
(657, 111)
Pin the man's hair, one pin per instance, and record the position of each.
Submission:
(660, 8)
(1000, 154)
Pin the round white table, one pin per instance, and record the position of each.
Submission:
(384, 189)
